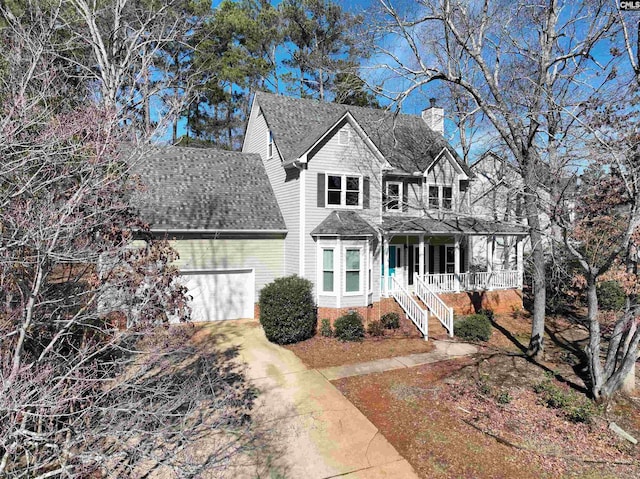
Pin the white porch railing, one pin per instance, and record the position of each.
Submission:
(446, 282)
(435, 304)
(419, 316)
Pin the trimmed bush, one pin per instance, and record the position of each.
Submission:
(349, 327)
(610, 296)
(325, 328)
(488, 313)
(287, 310)
(376, 328)
(475, 327)
(390, 320)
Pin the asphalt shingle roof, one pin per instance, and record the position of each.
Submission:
(466, 225)
(206, 188)
(404, 140)
(343, 223)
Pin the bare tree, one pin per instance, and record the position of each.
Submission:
(79, 394)
(127, 48)
(518, 61)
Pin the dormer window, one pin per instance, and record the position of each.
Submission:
(440, 197)
(270, 145)
(394, 196)
(344, 190)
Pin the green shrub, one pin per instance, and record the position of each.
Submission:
(325, 328)
(573, 406)
(287, 310)
(552, 395)
(488, 313)
(610, 296)
(349, 327)
(390, 320)
(583, 412)
(504, 398)
(475, 327)
(376, 328)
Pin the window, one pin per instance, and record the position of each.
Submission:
(434, 197)
(344, 190)
(327, 270)
(334, 190)
(394, 196)
(353, 191)
(440, 197)
(352, 280)
(270, 145)
(447, 197)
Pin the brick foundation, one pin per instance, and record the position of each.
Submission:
(369, 313)
(500, 301)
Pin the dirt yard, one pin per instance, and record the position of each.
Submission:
(499, 415)
(319, 352)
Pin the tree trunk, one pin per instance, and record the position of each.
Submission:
(629, 383)
(593, 348)
(536, 344)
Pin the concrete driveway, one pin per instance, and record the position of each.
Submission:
(321, 434)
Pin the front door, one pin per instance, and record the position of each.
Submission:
(397, 264)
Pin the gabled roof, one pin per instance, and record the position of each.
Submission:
(206, 189)
(458, 225)
(405, 141)
(343, 223)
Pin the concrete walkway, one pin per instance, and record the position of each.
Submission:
(321, 434)
(443, 350)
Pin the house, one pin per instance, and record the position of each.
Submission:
(373, 207)
(497, 194)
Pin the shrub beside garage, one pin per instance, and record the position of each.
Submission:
(287, 310)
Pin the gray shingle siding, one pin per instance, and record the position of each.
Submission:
(286, 188)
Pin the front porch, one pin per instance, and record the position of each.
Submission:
(451, 264)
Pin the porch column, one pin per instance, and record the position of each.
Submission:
(456, 262)
(489, 262)
(385, 263)
(520, 260)
(421, 257)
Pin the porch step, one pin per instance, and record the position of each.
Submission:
(436, 329)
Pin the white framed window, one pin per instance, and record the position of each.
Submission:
(327, 270)
(394, 196)
(440, 197)
(343, 190)
(447, 197)
(270, 144)
(353, 270)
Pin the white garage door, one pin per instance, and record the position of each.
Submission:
(220, 294)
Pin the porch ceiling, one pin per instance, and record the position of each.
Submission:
(449, 226)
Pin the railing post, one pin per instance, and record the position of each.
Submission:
(456, 264)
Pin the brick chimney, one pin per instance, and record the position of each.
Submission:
(434, 117)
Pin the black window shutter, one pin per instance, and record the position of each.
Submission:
(443, 259)
(365, 192)
(432, 259)
(405, 196)
(320, 190)
(463, 259)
